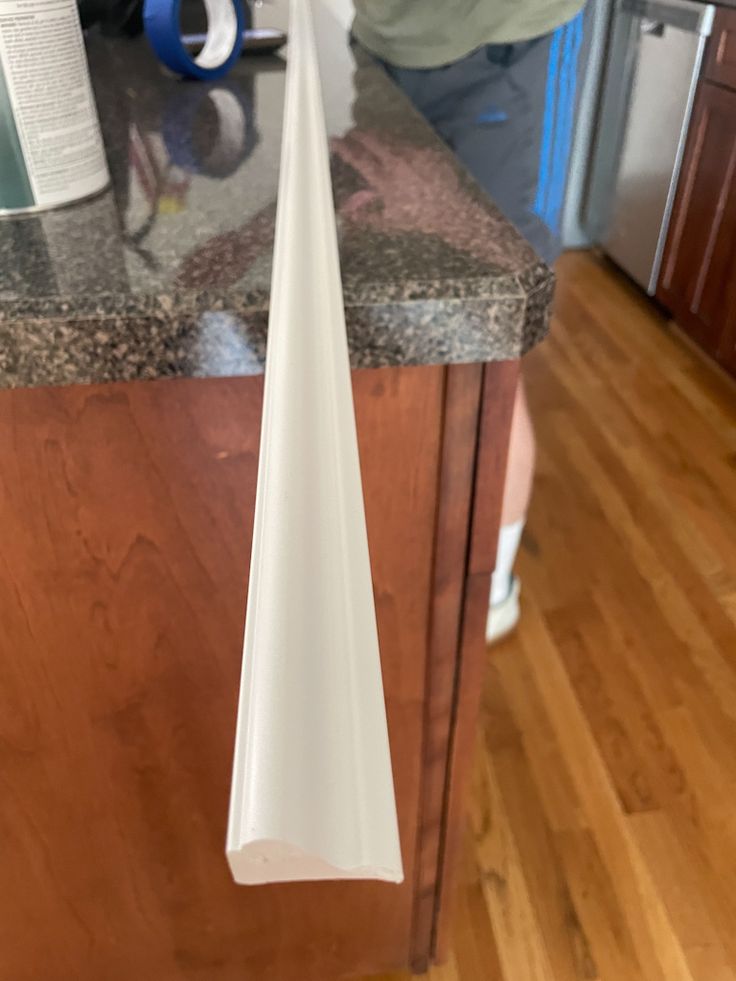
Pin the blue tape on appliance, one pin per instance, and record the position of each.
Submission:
(222, 47)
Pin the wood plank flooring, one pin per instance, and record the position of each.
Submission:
(602, 838)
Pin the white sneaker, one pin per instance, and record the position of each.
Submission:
(503, 617)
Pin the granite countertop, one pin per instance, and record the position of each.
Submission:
(168, 272)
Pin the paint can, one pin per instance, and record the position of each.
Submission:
(51, 150)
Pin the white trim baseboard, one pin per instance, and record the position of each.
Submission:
(312, 790)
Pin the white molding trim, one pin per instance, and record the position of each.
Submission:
(312, 790)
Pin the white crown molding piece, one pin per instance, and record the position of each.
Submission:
(312, 790)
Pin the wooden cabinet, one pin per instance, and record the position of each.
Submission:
(698, 280)
(126, 512)
(720, 60)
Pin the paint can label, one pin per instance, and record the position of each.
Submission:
(51, 150)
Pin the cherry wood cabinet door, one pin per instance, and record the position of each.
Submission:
(720, 60)
(126, 513)
(698, 282)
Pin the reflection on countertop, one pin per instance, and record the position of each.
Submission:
(168, 273)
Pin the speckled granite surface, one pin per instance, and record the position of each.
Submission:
(168, 272)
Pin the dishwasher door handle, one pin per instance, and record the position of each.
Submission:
(687, 15)
(652, 28)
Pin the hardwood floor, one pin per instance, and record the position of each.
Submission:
(602, 840)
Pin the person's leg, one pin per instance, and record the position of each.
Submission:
(508, 112)
(520, 464)
(504, 601)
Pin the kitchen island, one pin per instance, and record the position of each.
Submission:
(133, 335)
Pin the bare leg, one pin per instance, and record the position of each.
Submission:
(517, 490)
(504, 600)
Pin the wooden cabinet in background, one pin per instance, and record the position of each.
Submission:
(698, 281)
(720, 59)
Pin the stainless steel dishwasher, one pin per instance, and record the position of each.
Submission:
(654, 56)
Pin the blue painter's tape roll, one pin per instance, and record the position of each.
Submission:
(225, 25)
